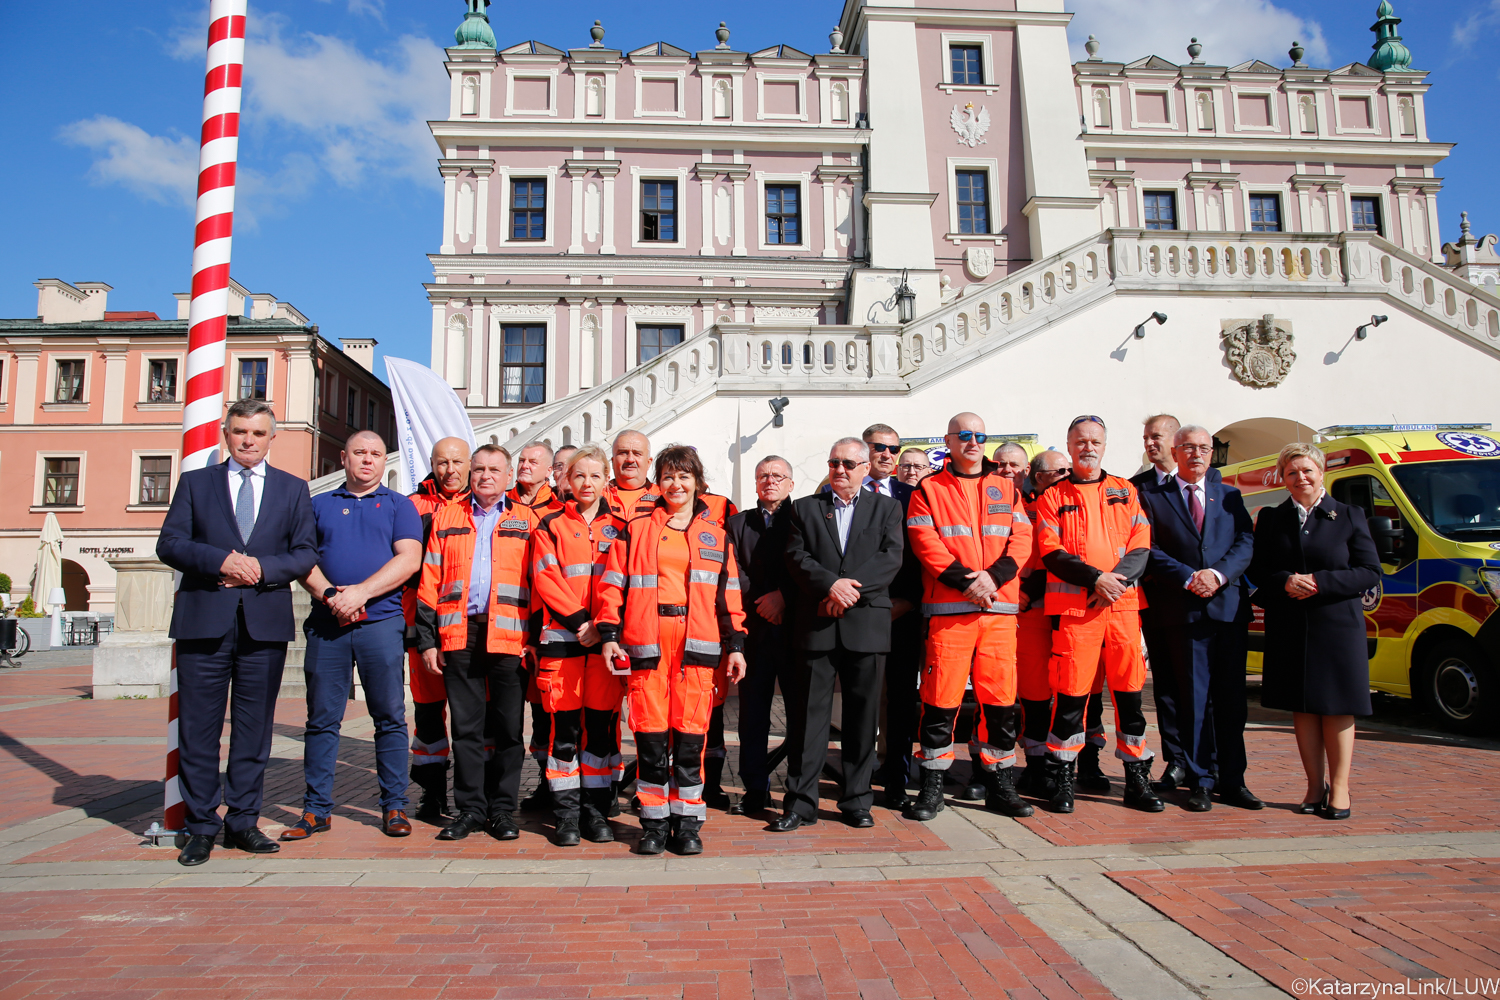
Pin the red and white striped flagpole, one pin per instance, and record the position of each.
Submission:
(209, 308)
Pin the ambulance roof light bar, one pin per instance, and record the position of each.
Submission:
(1353, 430)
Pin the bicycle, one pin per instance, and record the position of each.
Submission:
(22, 646)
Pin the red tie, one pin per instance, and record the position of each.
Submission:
(1195, 509)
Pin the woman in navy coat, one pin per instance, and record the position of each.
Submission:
(1314, 559)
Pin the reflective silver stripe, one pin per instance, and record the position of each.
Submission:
(558, 635)
(949, 530)
(545, 561)
(968, 608)
(692, 810)
(1121, 551)
(641, 652)
(1046, 524)
(935, 753)
(703, 576)
(614, 579)
(452, 619)
(1140, 519)
(512, 591)
(1019, 517)
(1058, 587)
(580, 569)
(455, 593)
(699, 646)
(432, 558)
(1128, 740)
(996, 529)
(1005, 609)
(919, 521)
(643, 580)
(733, 584)
(513, 624)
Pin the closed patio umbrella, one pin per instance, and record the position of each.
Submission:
(48, 575)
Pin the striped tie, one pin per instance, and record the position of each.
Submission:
(244, 506)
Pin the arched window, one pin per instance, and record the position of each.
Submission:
(1102, 118)
(838, 102)
(723, 98)
(470, 105)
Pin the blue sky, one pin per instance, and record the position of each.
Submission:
(340, 200)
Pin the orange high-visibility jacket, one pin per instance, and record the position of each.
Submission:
(428, 500)
(1082, 528)
(568, 559)
(443, 595)
(628, 606)
(545, 503)
(1033, 574)
(952, 536)
(642, 506)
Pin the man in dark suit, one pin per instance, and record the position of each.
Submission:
(843, 550)
(759, 536)
(239, 533)
(1199, 609)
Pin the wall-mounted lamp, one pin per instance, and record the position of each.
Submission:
(1363, 330)
(1140, 331)
(778, 405)
(906, 301)
(861, 120)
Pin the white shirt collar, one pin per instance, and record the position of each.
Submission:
(1302, 511)
(1183, 484)
(258, 469)
(1161, 476)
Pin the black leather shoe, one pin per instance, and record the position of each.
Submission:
(1170, 779)
(1241, 798)
(751, 802)
(896, 798)
(199, 846)
(566, 834)
(789, 821)
(1314, 808)
(1328, 812)
(860, 819)
(1200, 800)
(251, 840)
(686, 844)
(652, 842)
(502, 827)
(465, 824)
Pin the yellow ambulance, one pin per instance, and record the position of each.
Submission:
(1432, 495)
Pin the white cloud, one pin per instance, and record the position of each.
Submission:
(1479, 22)
(1231, 31)
(160, 168)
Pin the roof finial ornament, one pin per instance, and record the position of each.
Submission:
(836, 40)
(1389, 54)
(474, 31)
(1092, 48)
(1463, 225)
(597, 34)
(722, 34)
(1296, 52)
(1194, 51)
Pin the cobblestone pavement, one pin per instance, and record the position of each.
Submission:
(1105, 902)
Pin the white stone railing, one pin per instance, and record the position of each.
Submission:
(1373, 264)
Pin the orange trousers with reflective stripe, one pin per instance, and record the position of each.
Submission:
(1033, 655)
(980, 646)
(672, 699)
(425, 687)
(1100, 636)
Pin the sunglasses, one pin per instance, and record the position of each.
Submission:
(1059, 473)
(879, 449)
(845, 463)
(967, 436)
(1087, 418)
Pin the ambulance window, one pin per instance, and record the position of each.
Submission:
(1370, 495)
(1257, 502)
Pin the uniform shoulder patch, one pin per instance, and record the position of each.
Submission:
(993, 492)
(707, 538)
(610, 531)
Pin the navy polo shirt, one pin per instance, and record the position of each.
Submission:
(357, 536)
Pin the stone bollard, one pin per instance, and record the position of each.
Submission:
(136, 658)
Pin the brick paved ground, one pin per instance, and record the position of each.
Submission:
(1375, 922)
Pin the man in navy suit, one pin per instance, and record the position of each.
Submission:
(1199, 609)
(239, 533)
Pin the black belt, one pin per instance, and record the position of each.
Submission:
(671, 610)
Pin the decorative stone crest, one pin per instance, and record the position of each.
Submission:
(659, 311)
(1259, 351)
(970, 123)
(979, 261)
(772, 314)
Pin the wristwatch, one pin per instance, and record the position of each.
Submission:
(328, 594)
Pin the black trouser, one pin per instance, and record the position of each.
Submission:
(768, 659)
(903, 700)
(1067, 717)
(1207, 663)
(809, 712)
(1164, 690)
(430, 730)
(479, 789)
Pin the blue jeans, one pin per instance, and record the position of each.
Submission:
(332, 654)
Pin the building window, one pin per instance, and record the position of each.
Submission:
(1364, 215)
(653, 340)
(369, 415)
(523, 366)
(1161, 210)
(783, 213)
(351, 410)
(60, 488)
(156, 479)
(253, 378)
(966, 64)
(69, 388)
(528, 210)
(162, 387)
(1265, 213)
(973, 201)
(659, 211)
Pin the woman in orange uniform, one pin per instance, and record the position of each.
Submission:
(579, 692)
(670, 603)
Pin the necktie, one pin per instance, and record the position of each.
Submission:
(1195, 509)
(244, 506)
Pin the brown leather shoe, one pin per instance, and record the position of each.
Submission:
(306, 827)
(396, 824)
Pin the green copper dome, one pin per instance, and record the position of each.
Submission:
(1389, 52)
(474, 32)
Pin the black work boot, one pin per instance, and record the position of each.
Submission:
(1034, 780)
(929, 800)
(654, 833)
(713, 790)
(1090, 777)
(433, 780)
(593, 817)
(1138, 792)
(614, 800)
(685, 839)
(1000, 793)
(565, 806)
(1060, 774)
(541, 799)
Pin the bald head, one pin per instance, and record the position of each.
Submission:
(965, 442)
(965, 422)
(631, 459)
(450, 465)
(363, 459)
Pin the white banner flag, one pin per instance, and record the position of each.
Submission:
(427, 410)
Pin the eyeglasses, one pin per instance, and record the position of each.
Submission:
(771, 477)
(1059, 473)
(1087, 418)
(1196, 449)
(967, 436)
(880, 449)
(846, 463)
(914, 466)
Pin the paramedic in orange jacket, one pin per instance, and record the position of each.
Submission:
(472, 608)
(448, 484)
(670, 602)
(1085, 523)
(969, 530)
(579, 692)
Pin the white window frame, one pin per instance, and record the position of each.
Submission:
(135, 505)
(761, 79)
(144, 388)
(1368, 96)
(679, 76)
(986, 45)
(530, 74)
(1180, 201)
(90, 361)
(232, 389)
(736, 76)
(1273, 106)
(494, 361)
(1387, 207)
(825, 101)
(804, 182)
(1283, 191)
(633, 338)
(1173, 124)
(39, 487)
(506, 175)
(991, 167)
(639, 175)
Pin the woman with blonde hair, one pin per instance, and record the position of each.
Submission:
(1314, 559)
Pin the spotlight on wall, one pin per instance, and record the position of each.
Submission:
(778, 405)
(1140, 331)
(1363, 330)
